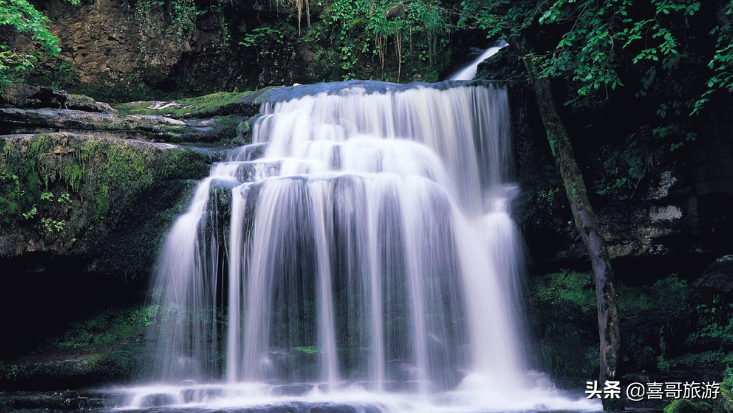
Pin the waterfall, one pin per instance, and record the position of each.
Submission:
(469, 72)
(361, 245)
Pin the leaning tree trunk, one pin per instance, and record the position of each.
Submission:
(587, 223)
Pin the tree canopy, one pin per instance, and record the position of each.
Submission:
(589, 40)
(664, 58)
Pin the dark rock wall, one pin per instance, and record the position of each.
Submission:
(113, 52)
(666, 238)
(675, 215)
(119, 51)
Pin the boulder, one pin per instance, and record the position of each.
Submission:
(717, 279)
(22, 95)
(44, 119)
(87, 104)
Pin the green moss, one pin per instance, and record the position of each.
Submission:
(98, 179)
(705, 358)
(308, 349)
(202, 106)
(219, 130)
(110, 327)
(226, 128)
(567, 288)
(686, 406)
(564, 318)
(724, 403)
(572, 288)
(107, 347)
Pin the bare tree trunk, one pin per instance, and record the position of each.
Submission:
(587, 223)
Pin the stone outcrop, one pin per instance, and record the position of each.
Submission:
(22, 95)
(716, 280)
(64, 192)
(85, 103)
(212, 119)
(677, 219)
(118, 52)
(40, 119)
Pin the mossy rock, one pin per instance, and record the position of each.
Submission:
(64, 119)
(724, 402)
(105, 366)
(687, 406)
(85, 103)
(63, 193)
(215, 104)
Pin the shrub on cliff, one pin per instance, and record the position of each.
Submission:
(24, 18)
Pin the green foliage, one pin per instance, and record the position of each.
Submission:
(366, 27)
(669, 293)
(30, 214)
(706, 358)
(567, 288)
(308, 349)
(262, 36)
(370, 39)
(217, 7)
(713, 327)
(653, 49)
(110, 327)
(576, 289)
(144, 14)
(180, 17)
(25, 19)
(715, 321)
(593, 38)
(565, 306)
(14, 67)
(722, 61)
(52, 225)
(623, 168)
(727, 382)
(183, 16)
(268, 40)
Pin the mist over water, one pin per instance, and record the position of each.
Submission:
(360, 251)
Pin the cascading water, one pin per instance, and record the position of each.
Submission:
(359, 251)
(469, 72)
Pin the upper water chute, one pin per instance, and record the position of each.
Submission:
(369, 246)
(469, 72)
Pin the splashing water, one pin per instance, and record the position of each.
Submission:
(358, 252)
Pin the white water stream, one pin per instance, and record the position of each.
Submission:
(367, 258)
(469, 72)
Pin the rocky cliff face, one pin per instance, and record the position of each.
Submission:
(86, 198)
(125, 50)
(669, 237)
(130, 50)
(116, 49)
(676, 218)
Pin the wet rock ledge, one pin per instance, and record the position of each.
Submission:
(220, 118)
(80, 178)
